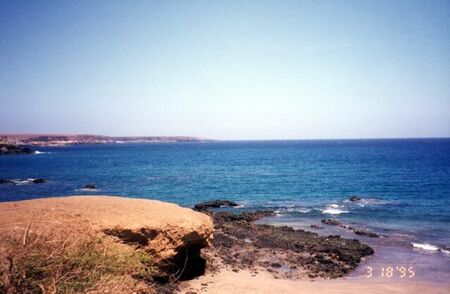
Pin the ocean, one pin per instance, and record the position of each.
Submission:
(404, 185)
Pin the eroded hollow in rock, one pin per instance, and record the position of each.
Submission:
(185, 265)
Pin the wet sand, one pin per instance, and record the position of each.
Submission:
(227, 281)
(237, 266)
(391, 250)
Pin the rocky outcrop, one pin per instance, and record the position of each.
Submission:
(250, 216)
(38, 181)
(89, 187)
(360, 232)
(331, 222)
(5, 181)
(22, 181)
(355, 199)
(283, 251)
(214, 204)
(6, 149)
(172, 235)
(366, 233)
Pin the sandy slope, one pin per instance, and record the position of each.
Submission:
(71, 215)
(104, 211)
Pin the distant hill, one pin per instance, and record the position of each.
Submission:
(59, 140)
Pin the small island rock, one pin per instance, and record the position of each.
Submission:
(214, 204)
(90, 187)
(38, 181)
(3, 181)
(354, 198)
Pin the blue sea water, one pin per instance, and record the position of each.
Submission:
(405, 184)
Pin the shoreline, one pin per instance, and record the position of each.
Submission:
(53, 140)
(228, 281)
(225, 277)
(390, 251)
(243, 256)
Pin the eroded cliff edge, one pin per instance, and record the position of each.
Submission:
(98, 243)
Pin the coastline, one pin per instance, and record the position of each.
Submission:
(53, 140)
(392, 250)
(125, 222)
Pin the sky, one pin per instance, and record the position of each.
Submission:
(226, 69)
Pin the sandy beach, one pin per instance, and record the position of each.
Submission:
(227, 281)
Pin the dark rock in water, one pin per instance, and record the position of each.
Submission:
(366, 233)
(3, 181)
(331, 222)
(354, 198)
(27, 150)
(360, 232)
(90, 187)
(223, 216)
(20, 181)
(38, 181)
(6, 149)
(317, 227)
(214, 204)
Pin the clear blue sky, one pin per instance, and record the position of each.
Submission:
(226, 69)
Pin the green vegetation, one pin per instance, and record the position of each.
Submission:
(81, 267)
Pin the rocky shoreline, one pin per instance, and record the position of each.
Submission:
(7, 149)
(153, 254)
(240, 244)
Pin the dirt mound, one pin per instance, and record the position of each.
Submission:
(157, 242)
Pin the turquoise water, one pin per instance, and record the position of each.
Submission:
(405, 184)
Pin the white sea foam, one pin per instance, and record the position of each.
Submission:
(23, 182)
(283, 211)
(87, 190)
(430, 247)
(367, 201)
(278, 212)
(41, 152)
(445, 251)
(425, 246)
(334, 209)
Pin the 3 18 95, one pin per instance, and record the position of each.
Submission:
(406, 272)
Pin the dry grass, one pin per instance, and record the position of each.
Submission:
(43, 262)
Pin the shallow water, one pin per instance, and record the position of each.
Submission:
(395, 259)
(405, 184)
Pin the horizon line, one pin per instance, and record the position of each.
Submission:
(214, 139)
